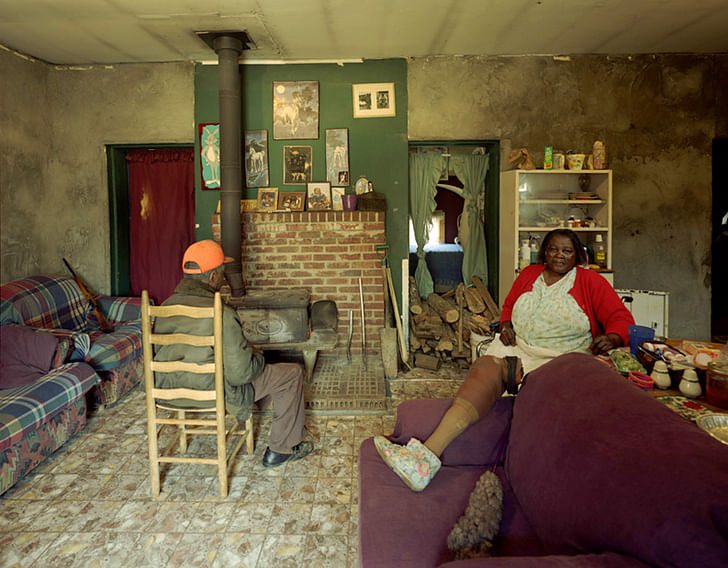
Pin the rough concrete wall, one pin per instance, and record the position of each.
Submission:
(24, 147)
(83, 110)
(657, 115)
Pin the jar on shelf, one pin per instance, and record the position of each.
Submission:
(716, 383)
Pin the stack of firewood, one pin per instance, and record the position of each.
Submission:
(441, 325)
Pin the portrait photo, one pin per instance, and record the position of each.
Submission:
(292, 200)
(267, 198)
(318, 196)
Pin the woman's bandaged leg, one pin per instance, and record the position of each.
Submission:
(457, 418)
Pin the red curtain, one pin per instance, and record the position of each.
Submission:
(161, 218)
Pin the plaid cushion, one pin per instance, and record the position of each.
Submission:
(44, 301)
(118, 348)
(118, 309)
(24, 408)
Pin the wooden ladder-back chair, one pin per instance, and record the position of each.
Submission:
(159, 407)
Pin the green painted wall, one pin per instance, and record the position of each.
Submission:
(377, 146)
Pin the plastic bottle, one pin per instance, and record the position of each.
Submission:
(534, 250)
(600, 252)
(525, 256)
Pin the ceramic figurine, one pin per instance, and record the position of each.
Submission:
(689, 384)
(660, 375)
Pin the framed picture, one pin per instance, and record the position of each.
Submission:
(292, 200)
(256, 158)
(295, 110)
(210, 154)
(297, 164)
(337, 156)
(336, 203)
(373, 100)
(319, 196)
(267, 198)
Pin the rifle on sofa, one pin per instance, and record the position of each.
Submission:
(105, 326)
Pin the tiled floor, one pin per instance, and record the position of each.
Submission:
(89, 505)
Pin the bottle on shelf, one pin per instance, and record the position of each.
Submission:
(600, 251)
(534, 249)
(525, 257)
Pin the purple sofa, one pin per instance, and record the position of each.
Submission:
(42, 399)
(596, 474)
(56, 304)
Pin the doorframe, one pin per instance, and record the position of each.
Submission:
(492, 201)
(118, 184)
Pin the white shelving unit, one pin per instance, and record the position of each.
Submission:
(533, 202)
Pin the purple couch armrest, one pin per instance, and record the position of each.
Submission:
(479, 445)
(599, 465)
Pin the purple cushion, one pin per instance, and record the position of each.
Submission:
(403, 529)
(479, 445)
(599, 465)
(25, 355)
(605, 560)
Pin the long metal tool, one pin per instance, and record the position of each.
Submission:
(363, 327)
(351, 332)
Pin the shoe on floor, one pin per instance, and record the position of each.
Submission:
(299, 451)
(414, 463)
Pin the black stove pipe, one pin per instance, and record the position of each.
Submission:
(228, 49)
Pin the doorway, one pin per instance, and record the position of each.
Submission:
(450, 203)
(134, 253)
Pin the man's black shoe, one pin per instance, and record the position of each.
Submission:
(299, 451)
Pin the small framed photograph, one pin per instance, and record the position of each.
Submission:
(209, 136)
(373, 100)
(336, 193)
(297, 164)
(267, 198)
(337, 156)
(292, 200)
(295, 110)
(256, 158)
(318, 196)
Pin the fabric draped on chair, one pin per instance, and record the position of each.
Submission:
(471, 171)
(424, 172)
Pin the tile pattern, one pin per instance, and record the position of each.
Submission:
(89, 505)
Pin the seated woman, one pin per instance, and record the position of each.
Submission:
(553, 307)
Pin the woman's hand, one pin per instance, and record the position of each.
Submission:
(604, 343)
(507, 335)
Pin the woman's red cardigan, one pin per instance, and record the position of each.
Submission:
(593, 294)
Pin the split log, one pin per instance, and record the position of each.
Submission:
(427, 361)
(476, 304)
(446, 310)
(447, 342)
(430, 330)
(414, 296)
(427, 316)
(487, 298)
(479, 324)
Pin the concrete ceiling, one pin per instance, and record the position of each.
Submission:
(82, 32)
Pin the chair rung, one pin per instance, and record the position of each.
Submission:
(183, 338)
(209, 461)
(174, 366)
(186, 422)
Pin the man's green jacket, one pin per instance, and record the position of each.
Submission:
(241, 365)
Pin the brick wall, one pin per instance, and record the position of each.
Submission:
(325, 252)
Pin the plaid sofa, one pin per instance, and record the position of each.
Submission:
(56, 304)
(37, 418)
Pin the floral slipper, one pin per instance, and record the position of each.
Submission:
(414, 463)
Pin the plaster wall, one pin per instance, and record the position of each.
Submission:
(56, 122)
(657, 114)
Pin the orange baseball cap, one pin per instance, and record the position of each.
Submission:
(206, 254)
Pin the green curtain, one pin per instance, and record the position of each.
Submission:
(471, 171)
(424, 173)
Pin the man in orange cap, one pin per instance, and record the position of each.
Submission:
(247, 378)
